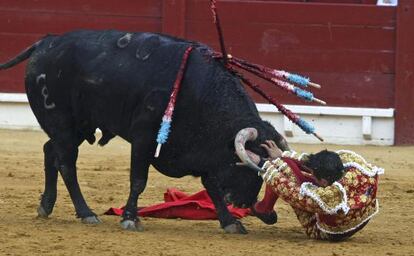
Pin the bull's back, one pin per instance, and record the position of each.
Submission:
(104, 76)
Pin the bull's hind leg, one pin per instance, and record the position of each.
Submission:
(61, 151)
(51, 175)
(67, 153)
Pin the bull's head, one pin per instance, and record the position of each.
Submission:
(241, 184)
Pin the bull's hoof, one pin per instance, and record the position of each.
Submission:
(41, 213)
(267, 218)
(91, 220)
(131, 225)
(235, 228)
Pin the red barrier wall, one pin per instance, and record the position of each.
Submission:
(404, 75)
(348, 48)
(23, 22)
(351, 47)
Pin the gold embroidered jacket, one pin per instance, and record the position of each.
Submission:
(340, 208)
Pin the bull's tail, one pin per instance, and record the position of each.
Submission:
(21, 57)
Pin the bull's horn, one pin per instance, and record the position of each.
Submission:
(244, 135)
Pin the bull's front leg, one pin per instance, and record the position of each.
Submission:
(140, 161)
(144, 130)
(227, 221)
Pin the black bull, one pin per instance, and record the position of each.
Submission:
(121, 82)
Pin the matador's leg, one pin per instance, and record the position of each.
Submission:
(264, 209)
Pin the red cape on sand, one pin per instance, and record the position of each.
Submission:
(180, 205)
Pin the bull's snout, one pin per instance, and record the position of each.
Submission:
(228, 199)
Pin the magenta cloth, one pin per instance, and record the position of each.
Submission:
(180, 205)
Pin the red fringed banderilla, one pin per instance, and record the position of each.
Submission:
(167, 118)
(282, 79)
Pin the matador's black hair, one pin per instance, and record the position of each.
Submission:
(326, 165)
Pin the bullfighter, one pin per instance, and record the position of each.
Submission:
(333, 194)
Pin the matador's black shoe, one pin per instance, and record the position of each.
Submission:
(269, 218)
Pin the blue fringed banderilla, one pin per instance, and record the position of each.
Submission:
(167, 118)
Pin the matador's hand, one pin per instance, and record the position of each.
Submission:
(272, 150)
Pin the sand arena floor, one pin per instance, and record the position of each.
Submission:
(103, 175)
